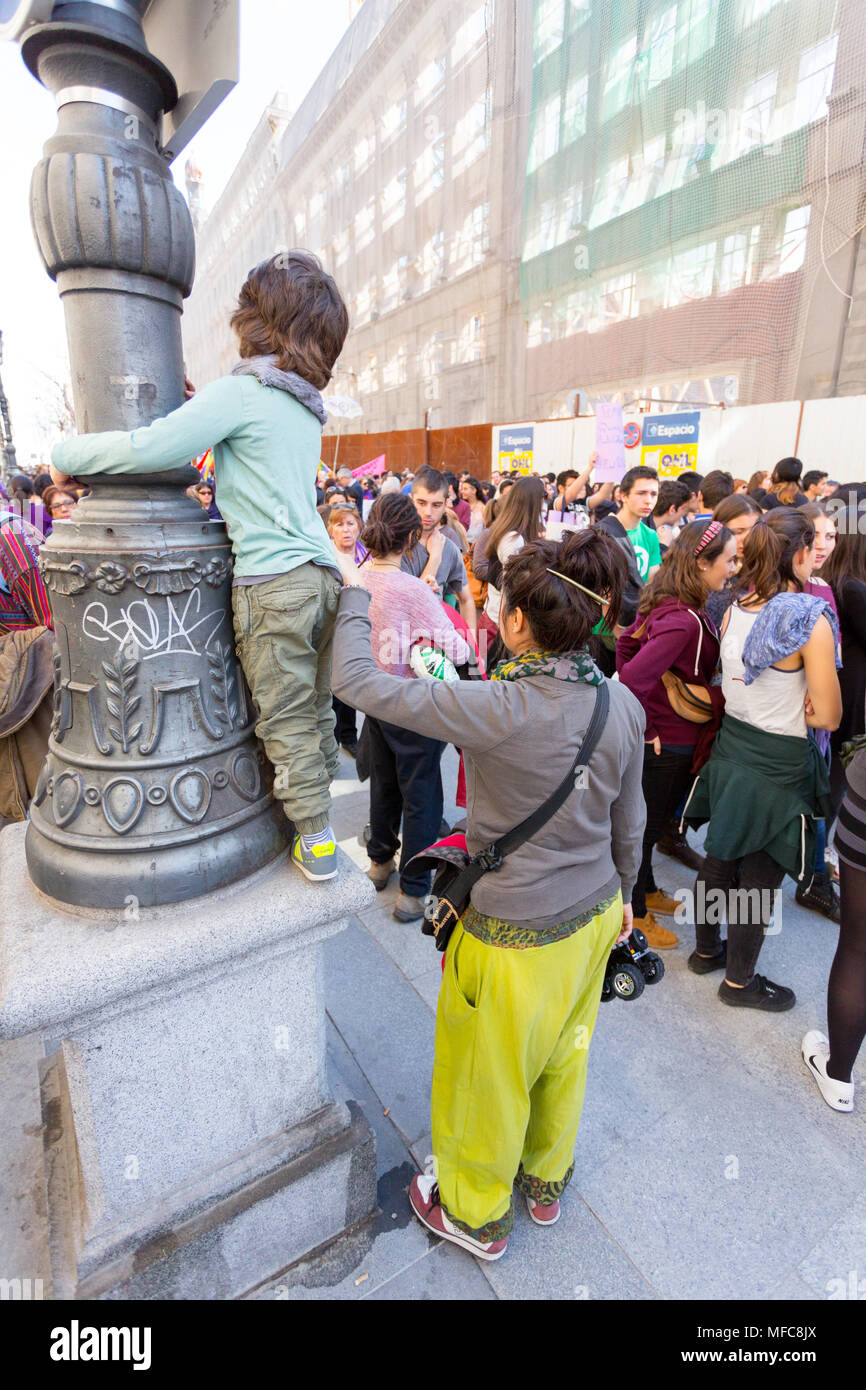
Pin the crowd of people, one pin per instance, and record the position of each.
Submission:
(709, 632)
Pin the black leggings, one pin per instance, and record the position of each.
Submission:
(846, 991)
(666, 778)
(746, 898)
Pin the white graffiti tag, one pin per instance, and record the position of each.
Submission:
(139, 626)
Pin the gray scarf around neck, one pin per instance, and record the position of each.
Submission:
(265, 370)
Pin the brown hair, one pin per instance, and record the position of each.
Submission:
(393, 524)
(786, 480)
(450, 518)
(560, 615)
(520, 511)
(756, 480)
(769, 550)
(847, 559)
(738, 504)
(679, 576)
(290, 308)
(53, 494)
(341, 509)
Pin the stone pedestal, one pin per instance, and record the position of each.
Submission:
(192, 1147)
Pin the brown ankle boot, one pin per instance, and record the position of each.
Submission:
(658, 937)
(662, 902)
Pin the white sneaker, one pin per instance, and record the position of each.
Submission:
(815, 1048)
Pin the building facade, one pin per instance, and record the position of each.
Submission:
(402, 170)
(531, 202)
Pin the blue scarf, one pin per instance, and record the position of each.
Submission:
(782, 627)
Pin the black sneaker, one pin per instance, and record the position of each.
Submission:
(704, 965)
(760, 994)
(821, 897)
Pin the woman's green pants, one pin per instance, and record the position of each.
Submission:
(513, 1028)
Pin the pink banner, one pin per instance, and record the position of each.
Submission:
(376, 465)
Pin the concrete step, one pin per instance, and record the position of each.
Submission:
(24, 1246)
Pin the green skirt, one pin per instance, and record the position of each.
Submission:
(761, 791)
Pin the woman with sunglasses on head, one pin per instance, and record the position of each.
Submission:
(765, 783)
(666, 658)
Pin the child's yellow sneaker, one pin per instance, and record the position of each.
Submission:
(316, 855)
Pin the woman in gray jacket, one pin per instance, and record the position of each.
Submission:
(524, 967)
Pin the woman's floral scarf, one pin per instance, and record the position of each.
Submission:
(564, 666)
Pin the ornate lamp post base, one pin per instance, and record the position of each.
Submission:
(154, 788)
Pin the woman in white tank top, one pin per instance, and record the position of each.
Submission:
(776, 699)
(765, 783)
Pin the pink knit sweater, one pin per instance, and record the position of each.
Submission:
(403, 611)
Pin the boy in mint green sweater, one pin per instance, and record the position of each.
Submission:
(264, 424)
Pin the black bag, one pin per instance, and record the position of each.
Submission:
(456, 874)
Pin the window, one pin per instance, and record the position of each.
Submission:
(432, 261)
(690, 275)
(646, 176)
(574, 116)
(793, 249)
(394, 370)
(546, 236)
(471, 136)
(394, 119)
(549, 20)
(469, 344)
(429, 171)
(696, 30)
(391, 288)
(341, 247)
(471, 240)
(365, 225)
(758, 106)
(756, 9)
(431, 79)
(394, 200)
(609, 192)
(617, 300)
(470, 34)
(570, 213)
(480, 232)
(539, 327)
(300, 224)
(658, 59)
(364, 302)
(545, 136)
(368, 378)
(738, 252)
(575, 313)
(815, 81)
(619, 77)
(430, 356)
(341, 178)
(363, 153)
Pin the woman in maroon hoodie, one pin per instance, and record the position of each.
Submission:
(672, 635)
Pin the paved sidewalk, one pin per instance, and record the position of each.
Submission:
(707, 1165)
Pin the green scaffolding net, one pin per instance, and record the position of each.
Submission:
(694, 193)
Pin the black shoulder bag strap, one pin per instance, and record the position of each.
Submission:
(491, 858)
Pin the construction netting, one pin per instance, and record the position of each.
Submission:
(694, 193)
